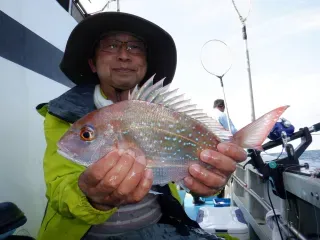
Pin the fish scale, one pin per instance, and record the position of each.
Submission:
(169, 131)
(165, 136)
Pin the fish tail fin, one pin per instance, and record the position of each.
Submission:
(255, 133)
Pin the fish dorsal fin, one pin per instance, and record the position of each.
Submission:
(150, 92)
(159, 94)
(173, 99)
(138, 92)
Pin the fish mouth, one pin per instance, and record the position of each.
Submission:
(66, 154)
(70, 156)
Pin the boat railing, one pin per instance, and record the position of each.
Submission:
(254, 196)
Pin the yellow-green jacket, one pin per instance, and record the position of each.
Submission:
(68, 215)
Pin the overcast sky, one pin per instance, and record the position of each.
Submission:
(283, 39)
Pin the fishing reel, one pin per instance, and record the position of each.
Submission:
(273, 170)
(281, 130)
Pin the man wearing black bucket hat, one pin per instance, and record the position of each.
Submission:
(106, 56)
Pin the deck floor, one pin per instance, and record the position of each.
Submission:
(191, 209)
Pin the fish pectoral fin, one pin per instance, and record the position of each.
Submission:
(120, 142)
(129, 147)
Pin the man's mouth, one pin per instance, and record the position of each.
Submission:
(123, 70)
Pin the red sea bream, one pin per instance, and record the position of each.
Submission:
(168, 130)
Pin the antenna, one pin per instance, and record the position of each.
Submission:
(107, 6)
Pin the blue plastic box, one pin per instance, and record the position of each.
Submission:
(221, 202)
(209, 199)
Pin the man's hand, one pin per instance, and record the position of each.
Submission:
(116, 179)
(204, 182)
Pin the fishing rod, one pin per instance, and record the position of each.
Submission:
(245, 38)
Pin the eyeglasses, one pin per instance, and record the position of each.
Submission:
(114, 46)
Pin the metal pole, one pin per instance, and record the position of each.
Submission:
(225, 103)
(268, 208)
(256, 196)
(118, 5)
(244, 31)
(70, 7)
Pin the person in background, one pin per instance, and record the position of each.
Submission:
(221, 116)
(106, 56)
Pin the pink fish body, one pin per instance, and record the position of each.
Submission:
(168, 131)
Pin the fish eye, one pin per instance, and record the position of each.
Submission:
(87, 133)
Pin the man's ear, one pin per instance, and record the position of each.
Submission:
(92, 65)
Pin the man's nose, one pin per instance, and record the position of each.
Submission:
(123, 54)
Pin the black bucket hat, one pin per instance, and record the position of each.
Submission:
(161, 49)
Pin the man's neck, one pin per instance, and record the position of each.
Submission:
(115, 95)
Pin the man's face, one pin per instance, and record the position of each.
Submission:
(221, 108)
(120, 61)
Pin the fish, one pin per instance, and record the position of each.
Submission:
(162, 126)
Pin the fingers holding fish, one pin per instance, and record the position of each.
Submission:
(207, 182)
(96, 172)
(133, 188)
(132, 179)
(218, 161)
(207, 177)
(118, 178)
(199, 188)
(143, 187)
(116, 175)
(233, 151)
